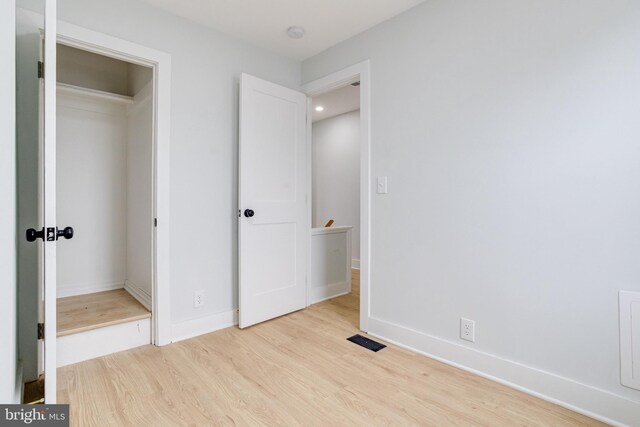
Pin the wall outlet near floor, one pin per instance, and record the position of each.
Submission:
(198, 299)
(382, 187)
(467, 329)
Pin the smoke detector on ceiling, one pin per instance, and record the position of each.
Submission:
(295, 32)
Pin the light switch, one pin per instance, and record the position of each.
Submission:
(382, 185)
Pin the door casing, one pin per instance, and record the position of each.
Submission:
(358, 72)
(160, 62)
(47, 205)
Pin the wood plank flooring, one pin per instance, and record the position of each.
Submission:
(297, 370)
(90, 311)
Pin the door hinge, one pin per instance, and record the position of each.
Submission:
(40, 331)
(155, 222)
(40, 70)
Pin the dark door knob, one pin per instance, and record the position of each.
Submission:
(33, 234)
(52, 234)
(248, 213)
(67, 233)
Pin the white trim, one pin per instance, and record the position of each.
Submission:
(92, 41)
(361, 72)
(88, 288)
(203, 325)
(138, 293)
(355, 264)
(336, 80)
(91, 104)
(48, 194)
(334, 290)
(72, 90)
(99, 342)
(604, 406)
(309, 196)
(330, 230)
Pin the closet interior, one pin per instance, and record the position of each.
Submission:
(104, 170)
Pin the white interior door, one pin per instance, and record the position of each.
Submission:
(48, 201)
(273, 218)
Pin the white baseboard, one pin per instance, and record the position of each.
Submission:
(203, 325)
(323, 293)
(138, 293)
(98, 342)
(330, 297)
(593, 402)
(355, 263)
(88, 288)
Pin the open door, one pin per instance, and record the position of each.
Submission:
(37, 184)
(272, 240)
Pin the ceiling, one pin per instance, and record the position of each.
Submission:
(336, 102)
(264, 23)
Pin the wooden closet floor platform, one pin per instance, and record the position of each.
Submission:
(91, 311)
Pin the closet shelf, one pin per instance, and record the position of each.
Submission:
(67, 89)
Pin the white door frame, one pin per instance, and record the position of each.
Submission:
(47, 188)
(92, 41)
(328, 83)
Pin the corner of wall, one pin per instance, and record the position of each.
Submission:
(203, 325)
(584, 399)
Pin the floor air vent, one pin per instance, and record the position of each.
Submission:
(366, 343)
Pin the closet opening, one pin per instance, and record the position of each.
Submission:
(106, 190)
(335, 200)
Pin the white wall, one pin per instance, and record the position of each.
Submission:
(204, 104)
(139, 196)
(137, 78)
(90, 70)
(336, 174)
(91, 194)
(86, 69)
(330, 270)
(509, 132)
(8, 282)
(105, 192)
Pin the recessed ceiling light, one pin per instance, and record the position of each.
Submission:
(295, 32)
(319, 108)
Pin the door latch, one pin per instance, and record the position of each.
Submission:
(52, 234)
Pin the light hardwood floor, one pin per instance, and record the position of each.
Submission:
(90, 311)
(297, 370)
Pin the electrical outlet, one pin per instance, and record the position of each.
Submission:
(198, 299)
(467, 329)
(382, 185)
